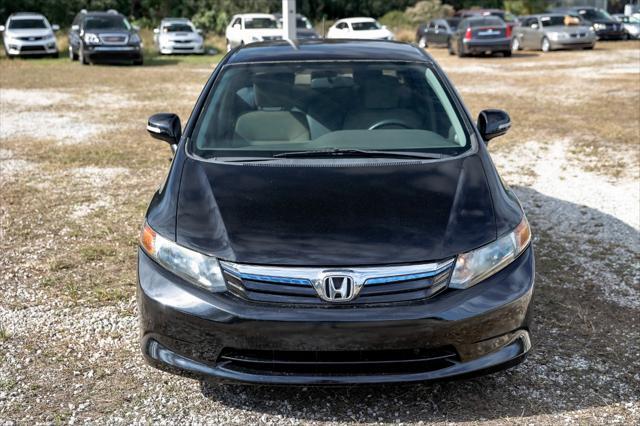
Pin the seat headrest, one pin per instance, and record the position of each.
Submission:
(273, 90)
(382, 92)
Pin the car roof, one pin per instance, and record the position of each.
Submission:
(168, 20)
(254, 15)
(357, 19)
(101, 13)
(26, 15)
(328, 50)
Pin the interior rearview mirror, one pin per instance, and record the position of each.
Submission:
(493, 123)
(55, 27)
(166, 127)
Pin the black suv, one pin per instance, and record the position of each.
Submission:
(104, 37)
(604, 25)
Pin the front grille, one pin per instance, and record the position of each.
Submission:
(32, 49)
(114, 38)
(269, 38)
(336, 363)
(30, 38)
(382, 290)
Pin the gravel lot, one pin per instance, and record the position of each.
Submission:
(77, 170)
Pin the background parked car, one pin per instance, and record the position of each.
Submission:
(304, 28)
(104, 37)
(178, 35)
(604, 25)
(251, 27)
(549, 32)
(484, 34)
(631, 25)
(359, 28)
(509, 18)
(436, 31)
(29, 34)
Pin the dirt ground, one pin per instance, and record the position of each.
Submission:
(77, 170)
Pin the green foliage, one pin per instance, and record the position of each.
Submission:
(395, 19)
(525, 7)
(427, 9)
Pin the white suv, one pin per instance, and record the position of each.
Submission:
(251, 27)
(29, 34)
(178, 35)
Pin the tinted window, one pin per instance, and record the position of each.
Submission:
(263, 109)
(114, 22)
(20, 24)
(365, 26)
(303, 22)
(453, 23)
(252, 23)
(178, 27)
(591, 14)
(486, 22)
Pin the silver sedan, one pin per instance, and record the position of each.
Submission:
(551, 31)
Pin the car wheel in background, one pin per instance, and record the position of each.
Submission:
(72, 55)
(450, 48)
(545, 46)
(138, 61)
(507, 53)
(515, 45)
(422, 42)
(589, 48)
(55, 55)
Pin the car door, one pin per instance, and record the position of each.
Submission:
(235, 32)
(535, 34)
(74, 34)
(524, 33)
(442, 32)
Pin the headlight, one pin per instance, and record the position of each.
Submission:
(91, 38)
(200, 270)
(599, 26)
(478, 265)
(134, 39)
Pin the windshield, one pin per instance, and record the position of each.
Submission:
(106, 23)
(303, 22)
(553, 21)
(173, 28)
(22, 24)
(251, 23)
(453, 23)
(266, 109)
(591, 14)
(365, 26)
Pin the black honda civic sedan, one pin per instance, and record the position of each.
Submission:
(332, 216)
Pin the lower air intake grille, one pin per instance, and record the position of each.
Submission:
(336, 363)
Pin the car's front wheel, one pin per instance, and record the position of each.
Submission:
(507, 53)
(461, 53)
(450, 48)
(545, 46)
(82, 58)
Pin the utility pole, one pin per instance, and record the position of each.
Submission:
(289, 19)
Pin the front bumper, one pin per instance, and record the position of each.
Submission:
(572, 43)
(114, 54)
(30, 48)
(175, 48)
(611, 34)
(187, 331)
(490, 45)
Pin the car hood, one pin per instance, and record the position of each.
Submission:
(366, 34)
(29, 32)
(297, 212)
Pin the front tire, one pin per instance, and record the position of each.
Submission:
(507, 53)
(55, 55)
(450, 48)
(138, 62)
(461, 53)
(545, 46)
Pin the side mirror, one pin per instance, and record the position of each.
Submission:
(1, 28)
(136, 28)
(199, 31)
(493, 123)
(237, 27)
(75, 27)
(166, 127)
(156, 30)
(534, 26)
(55, 27)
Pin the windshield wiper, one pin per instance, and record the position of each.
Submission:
(350, 152)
